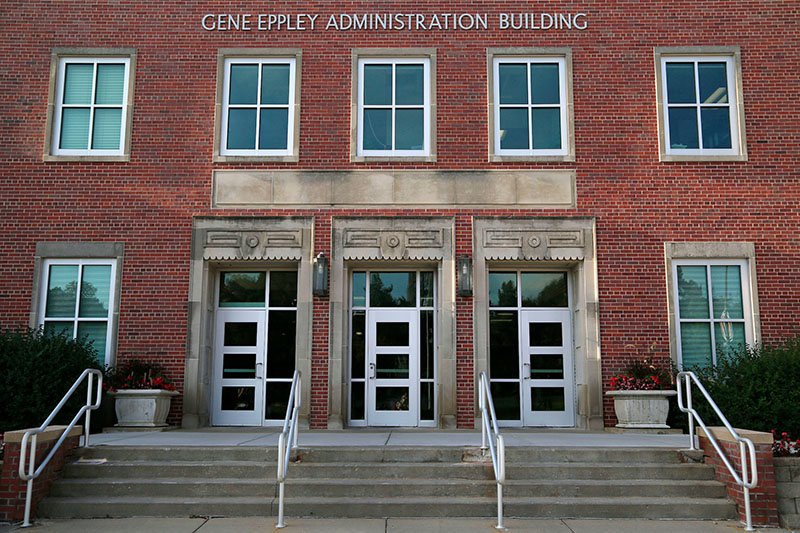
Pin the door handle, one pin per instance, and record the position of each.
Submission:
(259, 375)
(526, 371)
(372, 371)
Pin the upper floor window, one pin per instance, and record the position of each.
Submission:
(394, 107)
(90, 111)
(700, 108)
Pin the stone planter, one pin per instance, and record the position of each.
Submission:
(142, 408)
(641, 409)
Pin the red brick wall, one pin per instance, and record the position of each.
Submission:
(764, 497)
(639, 202)
(13, 490)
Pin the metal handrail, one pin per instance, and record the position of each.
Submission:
(745, 481)
(496, 446)
(31, 434)
(289, 434)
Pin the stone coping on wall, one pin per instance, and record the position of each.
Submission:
(50, 434)
(722, 434)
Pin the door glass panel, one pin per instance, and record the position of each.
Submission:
(502, 289)
(547, 366)
(281, 342)
(242, 289)
(391, 366)
(545, 333)
(95, 288)
(692, 292)
(391, 398)
(506, 400)
(238, 398)
(391, 334)
(283, 289)
(392, 289)
(62, 289)
(277, 399)
(241, 334)
(426, 289)
(544, 289)
(547, 399)
(359, 289)
(239, 365)
(357, 400)
(359, 345)
(503, 345)
(426, 401)
(426, 354)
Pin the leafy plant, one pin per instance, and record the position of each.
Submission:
(36, 370)
(643, 374)
(136, 374)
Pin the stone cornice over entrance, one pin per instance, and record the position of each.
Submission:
(454, 188)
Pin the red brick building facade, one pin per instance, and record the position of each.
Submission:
(617, 178)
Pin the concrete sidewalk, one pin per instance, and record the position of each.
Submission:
(380, 525)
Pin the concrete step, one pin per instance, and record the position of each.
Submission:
(183, 453)
(148, 469)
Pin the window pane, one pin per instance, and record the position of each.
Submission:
(544, 289)
(377, 84)
(359, 347)
(242, 289)
(74, 129)
(544, 83)
(107, 127)
(391, 398)
(283, 289)
(695, 344)
(241, 129)
(110, 84)
(95, 291)
(275, 84)
(393, 289)
(426, 401)
(506, 400)
(274, 129)
(62, 288)
(277, 399)
(547, 366)
(238, 399)
(514, 129)
(426, 289)
(683, 128)
(78, 83)
(726, 291)
(377, 129)
(95, 332)
(281, 342)
(692, 292)
(410, 129)
(729, 337)
(56, 328)
(357, 400)
(545, 334)
(391, 366)
(409, 85)
(513, 83)
(244, 84)
(240, 334)
(503, 345)
(680, 83)
(713, 83)
(426, 345)
(716, 127)
(239, 366)
(546, 128)
(502, 289)
(391, 334)
(547, 398)
(359, 289)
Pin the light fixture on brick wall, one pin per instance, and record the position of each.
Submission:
(320, 285)
(465, 276)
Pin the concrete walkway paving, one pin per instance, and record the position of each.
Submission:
(380, 525)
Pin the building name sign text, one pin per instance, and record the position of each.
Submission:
(393, 21)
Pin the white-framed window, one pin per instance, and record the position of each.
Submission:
(713, 309)
(258, 106)
(530, 106)
(77, 297)
(394, 106)
(91, 110)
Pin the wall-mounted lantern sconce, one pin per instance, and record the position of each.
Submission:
(465, 276)
(320, 285)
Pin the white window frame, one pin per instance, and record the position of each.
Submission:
(562, 105)
(427, 96)
(59, 106)
(698, 105)
(75, 319)
(747, 304)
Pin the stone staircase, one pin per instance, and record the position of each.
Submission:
(386, 482)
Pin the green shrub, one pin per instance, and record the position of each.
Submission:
(756, 388)
(36, 370)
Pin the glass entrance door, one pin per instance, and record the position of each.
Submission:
(392, 365)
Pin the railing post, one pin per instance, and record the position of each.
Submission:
(501, 478)
(692, 443)
(482, 406)
(29, 492)
(281, 478)
(88, 411)
(746, 491)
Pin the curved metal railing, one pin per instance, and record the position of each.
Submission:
(33, 472)
(494, 442)
(288, 435)
(747, 480)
